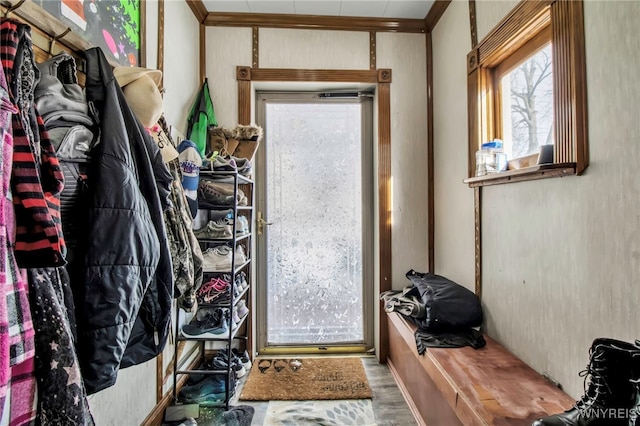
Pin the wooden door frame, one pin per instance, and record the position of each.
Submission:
(382, 78)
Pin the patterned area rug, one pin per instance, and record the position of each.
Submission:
(301, 379)
(357, 412)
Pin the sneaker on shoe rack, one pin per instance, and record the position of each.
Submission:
(242, 309)
(225, 215)
(241, 281)
(224, 187)
(242, 199)
(210, 389)
(212, 324)
(207, 365)
(214, 229)
(242, 227)
(222, 164)
(217, 259)
(215, 290)
(236, 362)
(234, 316)
(236, 290)
(209, 194)
(220, 362)
(241, 257)
(244, 166)
(243, 357)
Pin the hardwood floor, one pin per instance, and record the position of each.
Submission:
(389, 406)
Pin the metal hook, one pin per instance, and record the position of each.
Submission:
(56, 38)
(12, 8)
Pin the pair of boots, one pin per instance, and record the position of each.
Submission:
(613, 395)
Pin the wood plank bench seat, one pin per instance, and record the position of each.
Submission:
(487, 386)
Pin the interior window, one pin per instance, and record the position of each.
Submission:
(527, 87)
(525, 94)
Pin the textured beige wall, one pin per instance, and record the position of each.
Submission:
(563, 265)
(130, 400)
(133, 396)
(227, 48)
(489, 13)
(181, 62)
(454, 219)
(405, 55)
(313, 49)
(561, 257)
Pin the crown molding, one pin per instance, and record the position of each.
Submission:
(199, 9)
(436, 11)
(313, 22)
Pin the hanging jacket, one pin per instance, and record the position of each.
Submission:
(201, 117)
(125, 294)
(62, 103)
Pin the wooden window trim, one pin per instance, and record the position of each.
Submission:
(509, 64)
(522, 25)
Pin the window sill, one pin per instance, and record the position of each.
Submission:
(541, 171)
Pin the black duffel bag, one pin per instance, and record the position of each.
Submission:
(449, 306)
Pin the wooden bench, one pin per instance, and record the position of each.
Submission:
(466, 386)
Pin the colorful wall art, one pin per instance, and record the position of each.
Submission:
(112, 25)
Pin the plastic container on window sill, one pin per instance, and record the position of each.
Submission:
(523, 162)
(490, 158)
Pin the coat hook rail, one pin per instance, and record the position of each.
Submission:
(12, 8)
(56, 38)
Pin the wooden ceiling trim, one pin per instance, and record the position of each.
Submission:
(313, 22)
(199, 9)
(285, 74)
(435, 13)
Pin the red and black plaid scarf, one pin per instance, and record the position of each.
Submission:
(37, 179)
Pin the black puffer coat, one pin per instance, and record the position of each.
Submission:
(124, 300)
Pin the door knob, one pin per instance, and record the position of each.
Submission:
(262, 223)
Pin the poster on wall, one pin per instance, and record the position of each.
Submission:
(112, 25)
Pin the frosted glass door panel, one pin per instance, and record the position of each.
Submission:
(314, 245)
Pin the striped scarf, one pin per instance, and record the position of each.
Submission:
(37, 179)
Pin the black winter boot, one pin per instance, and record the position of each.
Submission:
(634, 414)
(610, 395)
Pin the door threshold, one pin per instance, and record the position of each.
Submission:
(316, 350)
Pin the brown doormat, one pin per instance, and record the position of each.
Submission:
(305, 379)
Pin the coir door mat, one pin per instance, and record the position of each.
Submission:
(306, 379)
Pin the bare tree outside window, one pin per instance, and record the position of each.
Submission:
(528, 105)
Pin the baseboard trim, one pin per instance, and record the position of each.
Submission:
(405, 393)
(156, 416)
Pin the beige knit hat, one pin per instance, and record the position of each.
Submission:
(126, 75)
(140, 87)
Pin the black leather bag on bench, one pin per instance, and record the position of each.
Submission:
(448, 305)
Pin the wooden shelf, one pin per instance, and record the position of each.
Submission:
(541, 171)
